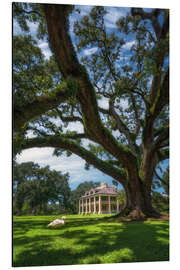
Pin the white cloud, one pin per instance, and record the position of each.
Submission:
(128, 45)
(44, 46)
(90, 51)
(104, 103)
(47, 54)
(16, 28)
(33, 28)
(124, 58)
(75, 126)
(84, 10)
(124, 103)
(39, 155)
(114, 13)
(73, 164)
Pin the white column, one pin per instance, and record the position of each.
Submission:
(117, 206)
(86, 205)
(109, 200)
(89, 204)
(79, 206)
(94, 204)
(100, 210)
(82, 206)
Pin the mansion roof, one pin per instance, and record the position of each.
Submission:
(103, 189)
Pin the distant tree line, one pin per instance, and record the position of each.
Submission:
(40, 191)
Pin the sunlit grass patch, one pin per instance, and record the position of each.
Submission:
(86, 240)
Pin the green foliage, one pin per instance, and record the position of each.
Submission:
(165, 181)
(26, 13)
(160, 202)
(37, 187)
(122, 199)
(162, 182)
(32, 74)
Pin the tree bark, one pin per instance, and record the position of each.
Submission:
(138, 201)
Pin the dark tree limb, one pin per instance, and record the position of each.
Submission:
(68, 118)
(163, 154)
(67, 144)
(57, 23)
(162, 97)
(162, 137)
(40, 105)
(152, 16)
(123, 128)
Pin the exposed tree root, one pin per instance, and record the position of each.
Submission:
(138, 214)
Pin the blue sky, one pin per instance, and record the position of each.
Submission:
(74, 164)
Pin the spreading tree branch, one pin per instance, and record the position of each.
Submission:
(163, 136)
(40, 105)
(69, 118)
(57, 23)
(122, 127)
(163, 154)
(67, 144)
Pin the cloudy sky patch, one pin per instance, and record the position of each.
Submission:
(114, 13)
(90, 51)
(128, 45)
(74, 165)
(44, 46)
(104, 103)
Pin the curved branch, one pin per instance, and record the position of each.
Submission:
(57, 23)
(157, 175)
(40, 105)
(20, 9)
(163, 154)
(163, 136)
(152, 16)
(67, 144)
(69, 135)
(68, 119)
(122, 127)
(162, 97)
(138, 122)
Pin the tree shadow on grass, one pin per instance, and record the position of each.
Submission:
(103, 243)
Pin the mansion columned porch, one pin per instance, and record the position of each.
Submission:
(100, 200)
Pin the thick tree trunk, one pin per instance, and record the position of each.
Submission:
(138, 205)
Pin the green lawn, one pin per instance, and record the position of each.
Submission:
(87, 240)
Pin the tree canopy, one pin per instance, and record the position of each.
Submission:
(38, 186)
(127, 66)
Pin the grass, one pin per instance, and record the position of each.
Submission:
(88, 240)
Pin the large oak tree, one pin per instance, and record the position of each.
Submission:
(129, 138)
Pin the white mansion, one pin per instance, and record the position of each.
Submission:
(99, 200)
